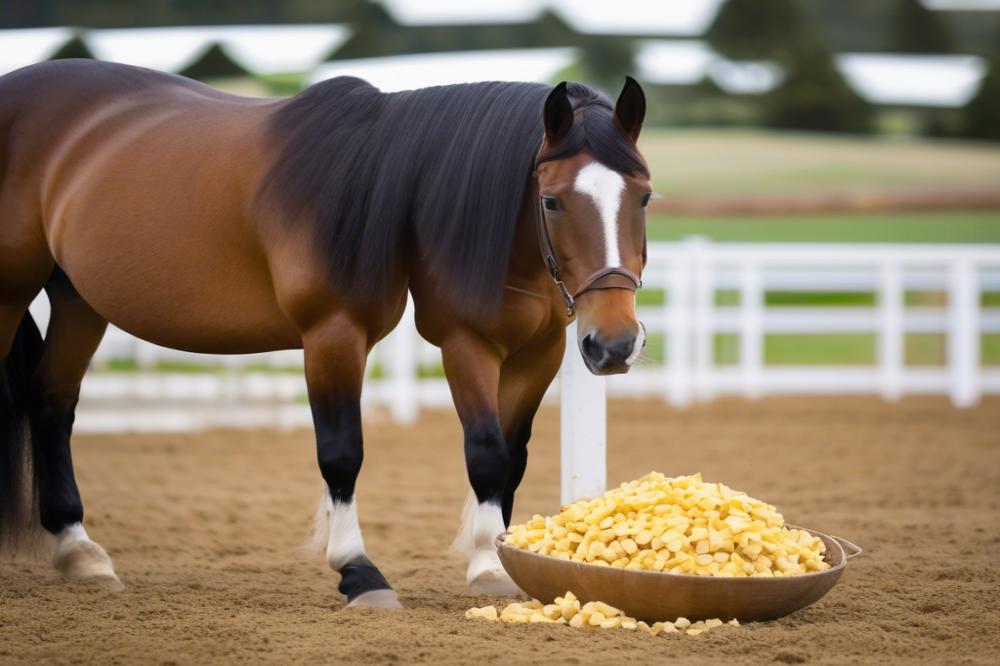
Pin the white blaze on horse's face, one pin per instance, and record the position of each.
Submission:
(609, 334)
(605, 187)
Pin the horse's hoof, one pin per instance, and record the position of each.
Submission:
(376, 599)
(85, 561)
(109, 583)
(495, 582)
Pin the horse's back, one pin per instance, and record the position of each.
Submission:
(145, 182)
(83, 80)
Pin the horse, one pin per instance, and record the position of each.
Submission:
(208, 222)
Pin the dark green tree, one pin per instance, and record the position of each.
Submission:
(606, 60)
(757, 29)
(982, 114)
(814, 96)
(917, 29)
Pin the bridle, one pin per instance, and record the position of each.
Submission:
(609, 277)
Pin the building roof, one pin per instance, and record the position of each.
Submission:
(963, 5)
(462, 12)
(20, 48)
(673, 62)
(407, 72)
(688, 62)
(947, 81)
(678, 18)
(745, 77)
(623, 17)
(258, 49)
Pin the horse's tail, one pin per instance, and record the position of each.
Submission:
(18, 487)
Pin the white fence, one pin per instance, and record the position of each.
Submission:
(158, 390)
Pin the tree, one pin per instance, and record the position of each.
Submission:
(757, 29)
(982, 114)
(606, 60)
(917, 29)
(814, 96)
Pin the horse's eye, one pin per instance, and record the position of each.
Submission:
(550, 203)
(645, 199)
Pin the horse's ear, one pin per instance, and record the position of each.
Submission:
(558, 114)
(630, 109)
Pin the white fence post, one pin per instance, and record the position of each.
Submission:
(677, 310)
(751, 329)
(401, 371)
(891, 338)
(963, 333)
(583, 426)
(704, 310)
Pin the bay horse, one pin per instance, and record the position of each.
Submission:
(213, 223)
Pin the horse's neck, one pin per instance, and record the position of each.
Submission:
(525, 267)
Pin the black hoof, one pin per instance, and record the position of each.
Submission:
(360, 576)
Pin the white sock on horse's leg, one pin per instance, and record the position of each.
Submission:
(344, 542)
(362, 583)
(481, 523)
(78, 558)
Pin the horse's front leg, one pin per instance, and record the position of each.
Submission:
(335, 353)
(472, 365)
(524, 379)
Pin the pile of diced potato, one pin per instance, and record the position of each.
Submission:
(679, 525)
(593, 614)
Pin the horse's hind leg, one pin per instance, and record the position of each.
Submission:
(73, 334)
(335, 353)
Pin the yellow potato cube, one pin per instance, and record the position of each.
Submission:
(486, 612)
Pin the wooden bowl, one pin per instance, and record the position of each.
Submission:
(655, 596)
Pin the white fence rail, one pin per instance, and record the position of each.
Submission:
(158, 389)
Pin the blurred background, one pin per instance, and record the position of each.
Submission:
(829, 172)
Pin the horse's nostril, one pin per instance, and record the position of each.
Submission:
(590, 346)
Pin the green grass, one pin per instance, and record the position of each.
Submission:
(929, 227)
(920, 350)
(713, 162)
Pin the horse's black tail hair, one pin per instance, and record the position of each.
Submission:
(18, 487)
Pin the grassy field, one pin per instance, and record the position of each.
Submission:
(747, 162)
(921, 350)
(739, 162)
(929, 227)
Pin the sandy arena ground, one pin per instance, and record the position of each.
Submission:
(204, 529)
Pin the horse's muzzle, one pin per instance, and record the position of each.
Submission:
(611, 356)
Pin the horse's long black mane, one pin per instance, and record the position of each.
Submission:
(445, 168)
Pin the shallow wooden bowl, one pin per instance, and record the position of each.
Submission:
(655, 596)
